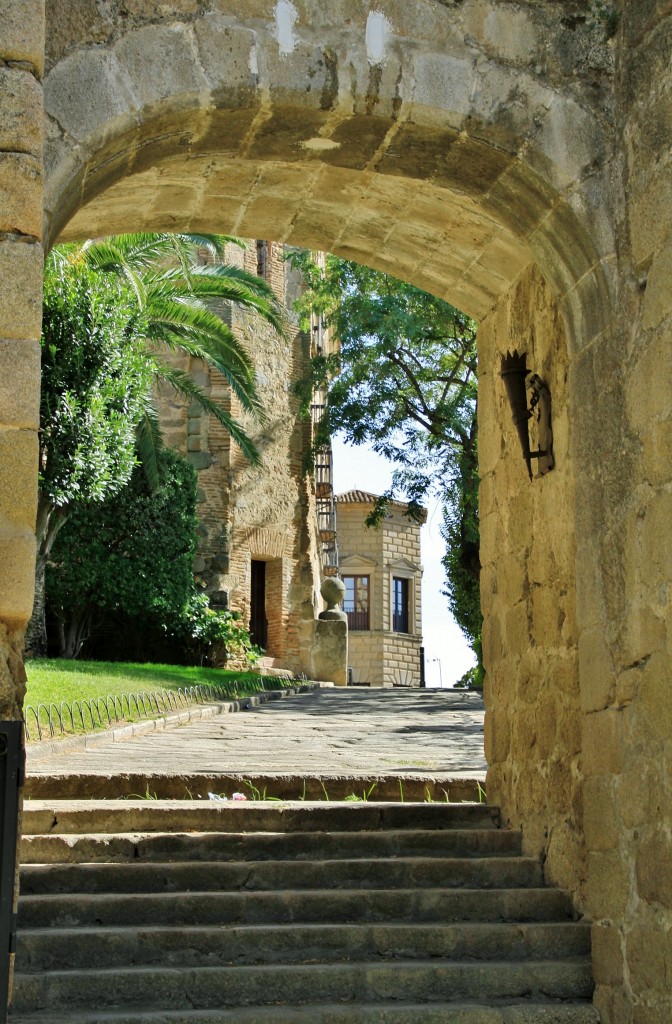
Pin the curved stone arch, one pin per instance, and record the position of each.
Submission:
(400, 137)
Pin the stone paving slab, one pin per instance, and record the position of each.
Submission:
(339, 732)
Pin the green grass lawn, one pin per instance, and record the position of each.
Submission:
(51, 681)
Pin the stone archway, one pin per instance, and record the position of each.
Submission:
(416, 136)
(468, 147)
(424, 142)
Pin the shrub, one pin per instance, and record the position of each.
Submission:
(215, 636)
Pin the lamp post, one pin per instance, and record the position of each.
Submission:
(440, 673)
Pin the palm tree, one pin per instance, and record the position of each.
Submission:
(112, 308)
(174, 288)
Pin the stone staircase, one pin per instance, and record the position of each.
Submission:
(182, 912)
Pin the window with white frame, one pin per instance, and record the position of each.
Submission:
(403, 577)
(357, 601)
(401, 619)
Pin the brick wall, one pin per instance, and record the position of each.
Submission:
(246, 512)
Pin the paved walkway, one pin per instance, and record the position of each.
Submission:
(332, 732)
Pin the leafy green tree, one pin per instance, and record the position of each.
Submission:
(404, 381)
(96, 384)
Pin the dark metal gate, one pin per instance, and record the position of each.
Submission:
(12, 765)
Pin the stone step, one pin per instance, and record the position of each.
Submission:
(527, 1012)
(161, 912)
(286, 906)
(411, 787)
(219, 987)
(47, 949)
(231, 876)
(112, 816)
(180, 846)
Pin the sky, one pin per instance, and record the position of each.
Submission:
(447, 653)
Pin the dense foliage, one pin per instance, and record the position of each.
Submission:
(213, 636)
(96, 382)
(127, 562)
(404, 381)
(131, 553)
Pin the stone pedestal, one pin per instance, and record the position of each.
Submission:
(329, 652)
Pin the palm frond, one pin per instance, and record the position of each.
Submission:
(185, 385)
(246, 290)
(149, 443)
(223, 283)
(200, 332)
(106, 256)
(175, 294)
(239, 378)
(140, 251)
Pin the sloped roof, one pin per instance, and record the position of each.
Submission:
(357, 497)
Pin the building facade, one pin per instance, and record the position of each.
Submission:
(381, 570)
(258, 545)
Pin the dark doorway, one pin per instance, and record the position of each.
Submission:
(258, 621)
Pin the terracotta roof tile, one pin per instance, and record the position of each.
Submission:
(357, 497)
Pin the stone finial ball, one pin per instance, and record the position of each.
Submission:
(332, 590)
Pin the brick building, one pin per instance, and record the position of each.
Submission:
(382, 574)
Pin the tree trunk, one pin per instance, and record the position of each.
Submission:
(36, 630)
(71, 640)
(49, 521)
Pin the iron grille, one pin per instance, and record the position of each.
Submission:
(12, 769)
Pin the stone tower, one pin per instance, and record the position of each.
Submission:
(382, 573)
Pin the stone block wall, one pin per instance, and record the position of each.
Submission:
(22, 27)
(21, 202)
(623, 416)
(530, 640)
(401, 659)
(365, 654)
(401, 545)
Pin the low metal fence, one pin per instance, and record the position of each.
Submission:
(48, 720)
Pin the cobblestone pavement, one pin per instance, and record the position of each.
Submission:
(331, 731)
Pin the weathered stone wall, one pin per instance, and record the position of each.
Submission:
(21, 200)
(248, 513)
(530, 642)
(622, 391)
(441, 141)
(585, 767)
